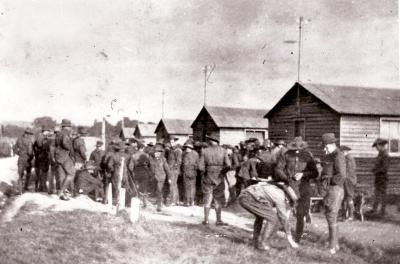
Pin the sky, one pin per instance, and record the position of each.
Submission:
(85, 59)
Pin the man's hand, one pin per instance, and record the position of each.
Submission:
(298, 176)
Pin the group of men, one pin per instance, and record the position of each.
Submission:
(270, 178)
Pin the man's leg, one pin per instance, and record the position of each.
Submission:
(207, 200)
(21, 171)
(219, 199)
(43, 178)
(159, 194)
(69, 172)
(258, 223)
(186, 183)
(192, 191)
(174, 193)
(28, 170)
(335, 194)
(383, 198)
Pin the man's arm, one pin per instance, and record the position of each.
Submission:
(280, 174)
(340, 169)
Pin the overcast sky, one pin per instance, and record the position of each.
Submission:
(70, 58)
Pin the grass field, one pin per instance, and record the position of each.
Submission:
(87, 237)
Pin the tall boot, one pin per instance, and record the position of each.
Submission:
(351, 210)
(218, 211)
(299, 228)
(206, 215)
(332, 237)
(28, 176)
(258, 223)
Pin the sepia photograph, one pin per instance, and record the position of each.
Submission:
(199, 131)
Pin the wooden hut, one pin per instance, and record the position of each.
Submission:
(357, 116)
(146, 132)
(168, 129)
(231, 125)
(126, 133)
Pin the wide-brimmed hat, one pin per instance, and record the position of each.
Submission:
(66, 123)
(212, 138)
(99, 143)
(82, 130)
(297, 144)
(344, 148)
(46, 128)
(328, 138)
(29, 131)
(379, 142)
(188, 145)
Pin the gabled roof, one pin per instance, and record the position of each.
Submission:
(146, 130)
(230, 117)
(127, 132)
(176, 126)
(355, 100)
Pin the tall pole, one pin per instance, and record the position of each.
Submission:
(162, 103)
(205, 85)
(299, 53)
(103, 133)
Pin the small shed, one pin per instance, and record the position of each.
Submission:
(146, 132)
(168, 129)
(357, 116)
(231, 125)
(126, 133)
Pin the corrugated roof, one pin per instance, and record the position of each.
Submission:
(176, 126)
(230, 117)
(356, 100)
(127, 132)
(147, 130)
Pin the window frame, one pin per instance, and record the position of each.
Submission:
(389, 119)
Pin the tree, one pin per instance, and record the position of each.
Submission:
(47, 121)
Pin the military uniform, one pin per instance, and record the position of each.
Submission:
(334, 173)
(174, 159)
(380, 170)
(41, 149)
(24, 149)
(350, 183)
(190, 166)
(293, 161)
(214, 162)
(79, 152)
(64, 158)
(114, 162)
(139, 166)
(162, 173)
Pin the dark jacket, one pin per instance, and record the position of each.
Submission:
(381, 168)
(139, 166)
(79, 150)
(97, 156)
(161, 169)
(292, 162)
(334, 168)
(190, 164)
(41, 150)
(214, 162)
(24, 149)
(63, 146)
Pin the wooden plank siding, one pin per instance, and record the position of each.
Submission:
(318, 119)
(203, 125)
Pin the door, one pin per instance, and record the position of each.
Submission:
(299, 129)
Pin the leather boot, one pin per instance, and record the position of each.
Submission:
(258, 223)
(206, 215)
(332, 236)
(299, 229)
(218, 211)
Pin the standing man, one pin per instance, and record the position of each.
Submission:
(80, 148)
(115, 162)
(174, 158)
(296, 168)
(41, 150)
(53, 164)
(64, 159)
(96, 157)
(349, 183)
(214, 163)
(334, 173)
(190, 166)
(380, 170)
(162, 173)
(24, 149)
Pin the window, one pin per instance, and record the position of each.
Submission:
(390, 130)
(299, 130)
(259, 134)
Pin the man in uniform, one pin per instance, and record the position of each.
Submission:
(96, 157)
(64, 158)
(24, 149)
(349, 183)
(41, 150)
(115, 162)
(214, 162)
(162, 173)
(139, 167)
(296, 167)
(190, 166)
(334, 173)
(53, 164)
(174, 158)
(79, 148)
(380, 170)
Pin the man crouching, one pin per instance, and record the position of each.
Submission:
(260, 200)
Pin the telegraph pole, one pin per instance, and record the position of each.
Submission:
(299, 53)
(162, 102)
(205, 84)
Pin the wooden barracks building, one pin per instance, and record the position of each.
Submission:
(230, 125)
(168, 129)
(356, 115)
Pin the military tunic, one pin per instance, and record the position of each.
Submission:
(190, 166)
(24, 149)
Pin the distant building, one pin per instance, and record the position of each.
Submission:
(146, 132)
(230, 125)
(126, 133)
(356, 115)
(168, 129)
